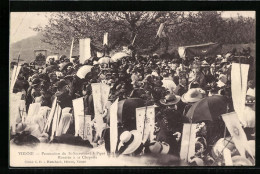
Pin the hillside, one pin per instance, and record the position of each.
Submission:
(30, 44)
(27, 47)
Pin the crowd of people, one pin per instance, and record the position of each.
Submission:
(168, 82)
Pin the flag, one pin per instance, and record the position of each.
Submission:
(145, 122)
(84, 49)
(71, 49)
(237, 133)
(113, 126)
(105, 41)
(160, 31)
(239, 73)
(188, 141)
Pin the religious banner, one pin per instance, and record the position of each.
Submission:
(188, 141)
(15, 73)
(50, 117)
(22, 110)
(239, 73)
(84, 50)
(145, 122)
(14, 108)
(105, 89)
(237, 133)
(78, 108)
(85, 127)
(34, 108)
(100, 93)
(56, 120)
(113, 127)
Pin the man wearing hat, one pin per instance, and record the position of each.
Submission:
(169, 121)
(63, 97)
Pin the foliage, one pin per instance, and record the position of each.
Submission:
(181, 28)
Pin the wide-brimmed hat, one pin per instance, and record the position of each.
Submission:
(159, 147)
(131, 141)
(170, 99)
(193, 95)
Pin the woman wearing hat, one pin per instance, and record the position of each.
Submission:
(191, 96)
(196, 75)
(169, 122)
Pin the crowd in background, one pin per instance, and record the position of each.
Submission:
(168, 82)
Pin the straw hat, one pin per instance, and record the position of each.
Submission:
(193, 95)
(170, 99)
(130, 140)
(159, 147)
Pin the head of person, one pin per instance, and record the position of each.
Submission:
(62, 86)
(196, 67)
(183, 81)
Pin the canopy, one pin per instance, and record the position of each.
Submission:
(203, 50)
(82, 72)
(119, 56)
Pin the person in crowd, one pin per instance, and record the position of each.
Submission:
(196, 75)
(167, 82)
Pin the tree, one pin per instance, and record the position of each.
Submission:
(121, 26)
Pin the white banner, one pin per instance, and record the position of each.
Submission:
(56, 120)
(78, 108)
(239, 74)
(113, 126)
(71, 49)
(34, 108)
(84, 49)
(105, 41)
(100, 93)
(15, 73)
(237, 133)
(50, 117)
(85, 127)
(188, 141)
(145, 122)
(14, 108)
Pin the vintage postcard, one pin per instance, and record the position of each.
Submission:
(132, 88)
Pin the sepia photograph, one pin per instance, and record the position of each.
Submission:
(132, 88)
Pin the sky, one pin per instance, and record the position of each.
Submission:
(21, 23)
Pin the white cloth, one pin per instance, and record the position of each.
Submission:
(251, 92)
(169, 84)
(239, 74)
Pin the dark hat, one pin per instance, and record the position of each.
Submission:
(170, 99)
(61, 84)
(68, 77)
(36, 82)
